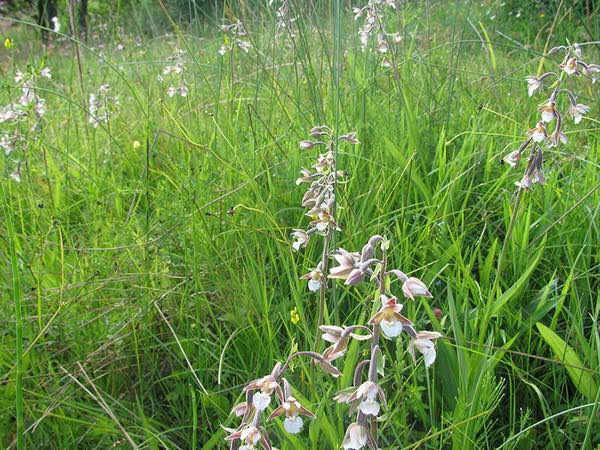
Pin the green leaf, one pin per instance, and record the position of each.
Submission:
(516, 288)
(583, 380)
(380, 362)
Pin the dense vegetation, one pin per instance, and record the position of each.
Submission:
(147, 258)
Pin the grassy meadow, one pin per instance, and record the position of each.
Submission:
(148, 272)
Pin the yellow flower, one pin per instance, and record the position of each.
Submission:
(8, 43)
(294, 316)
(136, 145)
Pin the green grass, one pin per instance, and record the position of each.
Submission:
(147, 305)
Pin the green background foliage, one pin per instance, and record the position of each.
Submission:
(130, 261)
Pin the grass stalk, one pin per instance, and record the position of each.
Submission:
(16, 297)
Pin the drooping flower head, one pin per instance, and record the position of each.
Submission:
(356, 437)
(423, 342)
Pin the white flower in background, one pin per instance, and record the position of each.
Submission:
(55, 24)
(174, 74)
(40, 106)
(235, 34)
(424, 344)
(533, 84)
(245, 46)
(382, 45)
(16, 175)
(102, 105)
(577, 111)
(8, 142)
(301, 239)
(46, 73)
(19, 77)
(11, 113)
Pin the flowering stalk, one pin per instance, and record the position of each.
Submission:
(285, 19)
(102, 106)
(234, 34)
(538, 138)
(320, 200)
(23, 115)
(373, 25)
(174, 75)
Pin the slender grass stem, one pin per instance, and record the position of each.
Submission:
(323, 288)
(16, 296)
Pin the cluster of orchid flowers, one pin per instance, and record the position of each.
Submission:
(102, 105)
(29, 104)
(285, 20)
(571, 66)
(29, 100)
(366, 398)
(373, 25)
(234, 35)
(251, 431)
(174, 72)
